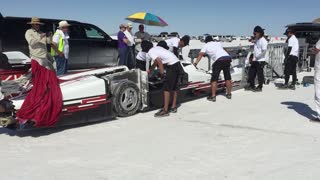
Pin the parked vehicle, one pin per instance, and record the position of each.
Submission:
(228, 38)
(161, 37)
(203, 37)
(90, 47)
(216, 38)
(243, 38)
(174, 34)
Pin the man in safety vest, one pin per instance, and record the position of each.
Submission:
(60, 47)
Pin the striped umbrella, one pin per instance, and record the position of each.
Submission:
(147, 19)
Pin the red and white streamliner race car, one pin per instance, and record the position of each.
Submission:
(102, 94)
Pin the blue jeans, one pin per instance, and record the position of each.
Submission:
(123, 54)
(62, 65)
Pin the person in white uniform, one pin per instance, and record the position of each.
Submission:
(291, 60)
(257, 60)
(316, 50)
(220, 61)
(167, 62)
(176, 44)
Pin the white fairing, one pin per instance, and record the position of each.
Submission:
(198, 75)
(16, 57)
(78, 86)
(88, 86)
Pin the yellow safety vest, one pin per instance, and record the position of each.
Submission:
(60, 45)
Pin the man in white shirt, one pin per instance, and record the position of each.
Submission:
(257, 60)
(60, 47)
(176, 44)
(221, 61)
(165, 60)
(316, 51)
(131, 45)
(291, 60)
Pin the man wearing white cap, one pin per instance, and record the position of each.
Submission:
(60, 47)
(131, 45)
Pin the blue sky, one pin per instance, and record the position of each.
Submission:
(194, 17)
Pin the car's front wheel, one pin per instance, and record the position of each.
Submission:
(127, 99)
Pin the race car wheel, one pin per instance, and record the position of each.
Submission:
(127, 99)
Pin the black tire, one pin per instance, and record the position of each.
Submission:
(126, 99)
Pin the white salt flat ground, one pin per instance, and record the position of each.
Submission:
(255, 136)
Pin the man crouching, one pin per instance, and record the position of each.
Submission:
(165, 60)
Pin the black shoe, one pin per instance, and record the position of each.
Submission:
(173, 110)
(258, 89)
(229, 96)
(162, 113)
(315, 120)
(249, 88)
(292, 87)
(212, 98)
(283, 87)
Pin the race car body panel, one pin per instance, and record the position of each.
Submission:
(101, 94)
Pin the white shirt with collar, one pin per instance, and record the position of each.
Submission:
(65, 37)
(294, 44)
(214, 50)
(317, 63)
(173, 43)
(141, 56)
(130, 37)
(260, 46)
(165, 56)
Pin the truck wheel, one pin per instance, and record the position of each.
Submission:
(127, 99)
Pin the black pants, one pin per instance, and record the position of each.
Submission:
(291, 69)
(256, 69)
(141, 65)
(171, 81)
(221, 65)
(131, 61)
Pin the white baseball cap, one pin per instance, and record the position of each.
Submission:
(63, 24)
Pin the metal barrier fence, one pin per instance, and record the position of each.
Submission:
(275, 59)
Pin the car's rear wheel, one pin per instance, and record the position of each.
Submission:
(127, 99)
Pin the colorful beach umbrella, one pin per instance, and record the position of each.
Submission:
(147, 19)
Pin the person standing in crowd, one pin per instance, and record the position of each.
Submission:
(291, 60)
(43, 104)
(123, 46)
(60, 47)
(316, 51)
(221, 61)
(165, 60)
(141, 35)
(176, 44)
(131, 46)
(257, 60)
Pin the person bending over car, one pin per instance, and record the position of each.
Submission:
(165, 60)
(221, 61)
(176, 44)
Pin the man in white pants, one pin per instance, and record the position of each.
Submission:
(316, 50)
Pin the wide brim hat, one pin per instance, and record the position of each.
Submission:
(63, 24)
(35, 20)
